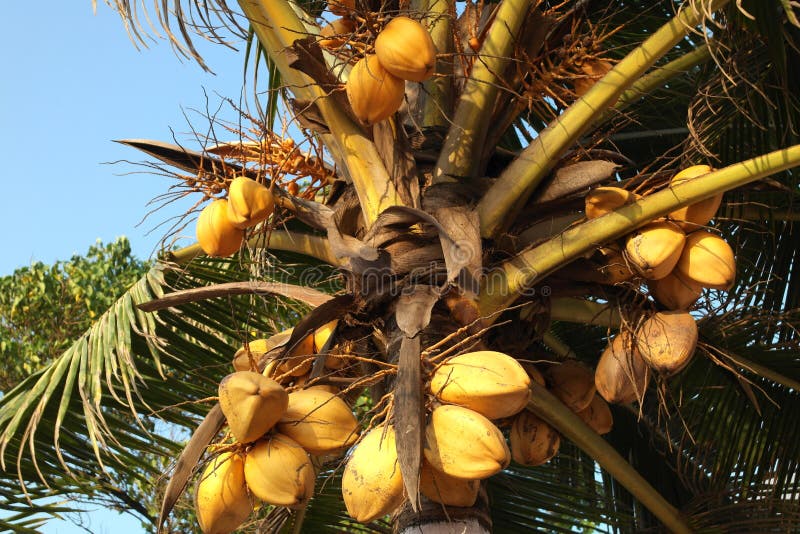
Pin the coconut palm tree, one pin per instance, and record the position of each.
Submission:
(459, 223)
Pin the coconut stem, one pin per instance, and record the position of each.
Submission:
(297, 242)
(464, 141)
(514, 186)
(437, 92)
(549, 408)
(572, 310)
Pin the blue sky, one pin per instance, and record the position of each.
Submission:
(73, 81)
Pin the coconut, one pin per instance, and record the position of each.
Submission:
(598, 416)
(533, 442)
(444, 489)
(215, 233)
(491, 383)
(674, 291)
(614, 268)
(221, 499)
(622, 374)
(464, 444)
(333, 33)
(373, 92)
(251, 403)
(299, 359)
(249, 202)
(708, 261)
(372, 485)
(572, 383)
(278, 471)
(602, 200)
(405, 49)
(654, 249)
(695, 215)
(667, 341)
(319, 421)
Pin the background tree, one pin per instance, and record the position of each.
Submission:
(704, 449)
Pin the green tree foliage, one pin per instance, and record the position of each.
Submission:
(44, 308)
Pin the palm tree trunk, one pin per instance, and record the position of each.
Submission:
(434, 518)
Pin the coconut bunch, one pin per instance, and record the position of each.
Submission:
(675, 255)
(402, 51)
(275, 435)
(222, 223)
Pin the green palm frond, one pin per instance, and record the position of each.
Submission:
(95, 409)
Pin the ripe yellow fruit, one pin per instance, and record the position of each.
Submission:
(372, 485)
(533, 442)
(602, 200)
(491, 383)
(675, 291)
(215, 233)
(708, 261)
(573, 384)
(249, 202)
(598, 416)
(319, 421)
(278, 471)
(373, 92)
(405, 49)
(221, 499)
(258, 348)
(654, 249)
(298, 361)
(621, 375)
(252, 404)
(694, 216)
(667, 341)
(442, 488)
(464, 444)
(333, 33)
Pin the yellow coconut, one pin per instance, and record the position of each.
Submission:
(279, 471)
(215, 233)
(373, 92)
(674, 291)
(319, 421)
(598, 416)
(533, 442)
(573, 383)
(614, 268)
(444, 489)
(256, 349)
(252, 404)
(334, 33)
(699, 214)
(490, 383)
(405, 49)
(654, 249)
(602, 200)
(464, 444)
(708, 261)
(221, 499)
(298, 361)
(249, 202)
(621, 375)
(667, 341)
(372, 485)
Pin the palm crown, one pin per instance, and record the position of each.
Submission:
(460, 222)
